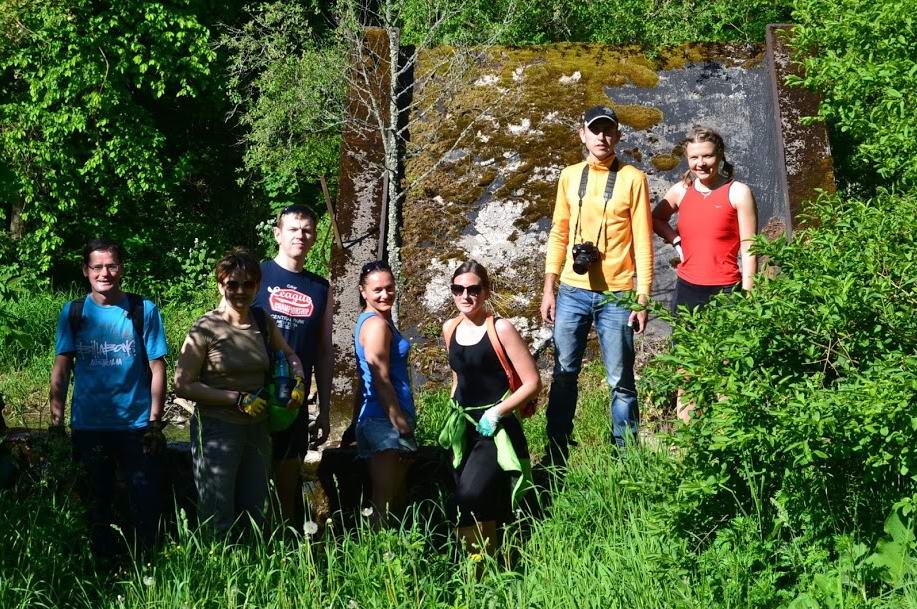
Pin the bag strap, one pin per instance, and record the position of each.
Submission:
(508, 369)
(75, 315)
(449, 330)
(135, 314)
(260, 317)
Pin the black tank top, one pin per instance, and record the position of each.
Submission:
(481, 379)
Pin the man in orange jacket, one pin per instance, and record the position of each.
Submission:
(600, 240)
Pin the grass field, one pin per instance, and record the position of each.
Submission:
(606, 541)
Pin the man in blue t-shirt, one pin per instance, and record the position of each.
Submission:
(300, 303)
(119, 388)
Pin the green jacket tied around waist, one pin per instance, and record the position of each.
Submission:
(453, 436)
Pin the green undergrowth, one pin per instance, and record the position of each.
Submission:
(607, 539)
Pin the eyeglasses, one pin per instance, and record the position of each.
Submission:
(473, 290)
(233, 286)
(111, 268)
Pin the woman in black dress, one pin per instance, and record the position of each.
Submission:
(489, 449)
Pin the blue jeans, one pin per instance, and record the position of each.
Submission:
(101, 453)
(576, 310)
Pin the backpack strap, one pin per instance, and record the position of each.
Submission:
(260, 316)
(135, 314)
(449, 330)
(75, 315)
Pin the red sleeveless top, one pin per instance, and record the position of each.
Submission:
(709, 229)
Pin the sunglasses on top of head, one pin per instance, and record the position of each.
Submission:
(473, 290)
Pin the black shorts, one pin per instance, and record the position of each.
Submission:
(696, 296)
(292, 442)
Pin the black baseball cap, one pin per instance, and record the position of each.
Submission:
(597, 113)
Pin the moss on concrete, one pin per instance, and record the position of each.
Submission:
(665, 162)
(511, 161)
(639, 118)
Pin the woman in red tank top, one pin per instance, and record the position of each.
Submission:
(717, 219)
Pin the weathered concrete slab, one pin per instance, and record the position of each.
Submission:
(493, 197)
(359, 207)
(805, 148)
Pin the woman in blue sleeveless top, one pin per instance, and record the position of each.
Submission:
(385, 425)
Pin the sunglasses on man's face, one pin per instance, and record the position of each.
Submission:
(473, 290)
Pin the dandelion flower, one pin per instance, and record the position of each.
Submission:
(367, 512)
(476, 558)
(388, 556)
(310, 528)
(149, 581)
(352, 604)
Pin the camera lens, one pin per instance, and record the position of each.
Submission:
(584, 254)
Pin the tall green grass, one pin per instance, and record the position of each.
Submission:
(605, 541)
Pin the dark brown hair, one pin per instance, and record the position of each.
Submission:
(376, 266)
(699, 134)
(103, 245)
(235, 260)
(473, 266)
(297, 210)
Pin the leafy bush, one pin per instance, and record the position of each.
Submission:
(287, 86)
(647, 23)
(28, 326)
(90, 94)
(861, 56)
(807, 387)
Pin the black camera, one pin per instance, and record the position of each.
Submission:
(584, 254)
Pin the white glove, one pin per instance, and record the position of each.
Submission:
(681, 253)
(487, 426)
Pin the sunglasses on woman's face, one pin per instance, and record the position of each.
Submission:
(473, 290)
(233, 286)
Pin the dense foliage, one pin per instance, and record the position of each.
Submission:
(807, 387)
(646, 23)
(286, 84)
(862, 59)
(106, 126)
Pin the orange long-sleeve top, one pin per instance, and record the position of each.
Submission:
(626, 232)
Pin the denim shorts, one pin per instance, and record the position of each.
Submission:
(377, 435)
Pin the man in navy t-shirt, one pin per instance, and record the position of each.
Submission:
(300, 303)
(119, 392)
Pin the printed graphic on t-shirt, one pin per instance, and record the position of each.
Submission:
(289, 307)
(100, 354)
